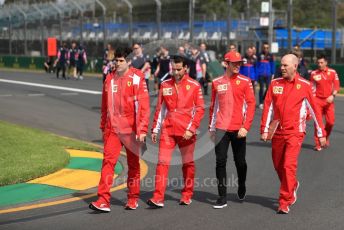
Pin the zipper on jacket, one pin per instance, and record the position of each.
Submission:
(286, 101)
(176, 87)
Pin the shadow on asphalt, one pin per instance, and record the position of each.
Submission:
(42, 216)
(210, 198)
(260, 144)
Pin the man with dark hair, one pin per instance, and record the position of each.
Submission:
(124, 122)
(178, 114)
(325, 87)
(231, 114)
(286, 104)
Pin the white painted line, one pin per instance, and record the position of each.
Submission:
(36, 94)
(69, 94)
(6, 95)
(52, 87)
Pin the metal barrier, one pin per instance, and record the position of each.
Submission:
(94, 65)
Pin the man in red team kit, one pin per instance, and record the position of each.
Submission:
(325, 86)
(288, 101)
(179, 111)
(230, 117)
(124, 122)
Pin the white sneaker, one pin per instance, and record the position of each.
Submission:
(295, 193)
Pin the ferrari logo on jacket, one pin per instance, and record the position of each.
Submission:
(222, 87)
(129, 83)
(187, 87)
(237, 82)
(298, 86)
(277, 90)
(167, 91)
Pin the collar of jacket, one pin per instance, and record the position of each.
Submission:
(129, 72)
(296, 78)
(325, 70)
(233, 76)
(184, 78)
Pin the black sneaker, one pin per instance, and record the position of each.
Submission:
(221, 202)
(241, 192)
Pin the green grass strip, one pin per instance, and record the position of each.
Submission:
(23, 193)
(91, 164)
(27, 153)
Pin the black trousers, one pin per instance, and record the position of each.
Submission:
(61, 66)
(222, 140)
(204, 85)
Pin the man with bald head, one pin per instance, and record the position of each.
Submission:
(286, 105)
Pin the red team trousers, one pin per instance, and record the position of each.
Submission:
(285, 152)
(166, 147)
(327, 110)
(113, 143)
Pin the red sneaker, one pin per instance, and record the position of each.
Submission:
(131, 204)
(100, 206)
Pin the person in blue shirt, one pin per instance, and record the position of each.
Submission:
(265, 71)
(248, 67)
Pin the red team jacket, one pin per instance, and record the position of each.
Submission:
(180, 107)
(125, 103)
(289, 102)
(324, 82)
(232, 103)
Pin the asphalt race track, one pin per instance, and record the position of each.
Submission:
(75, 113)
